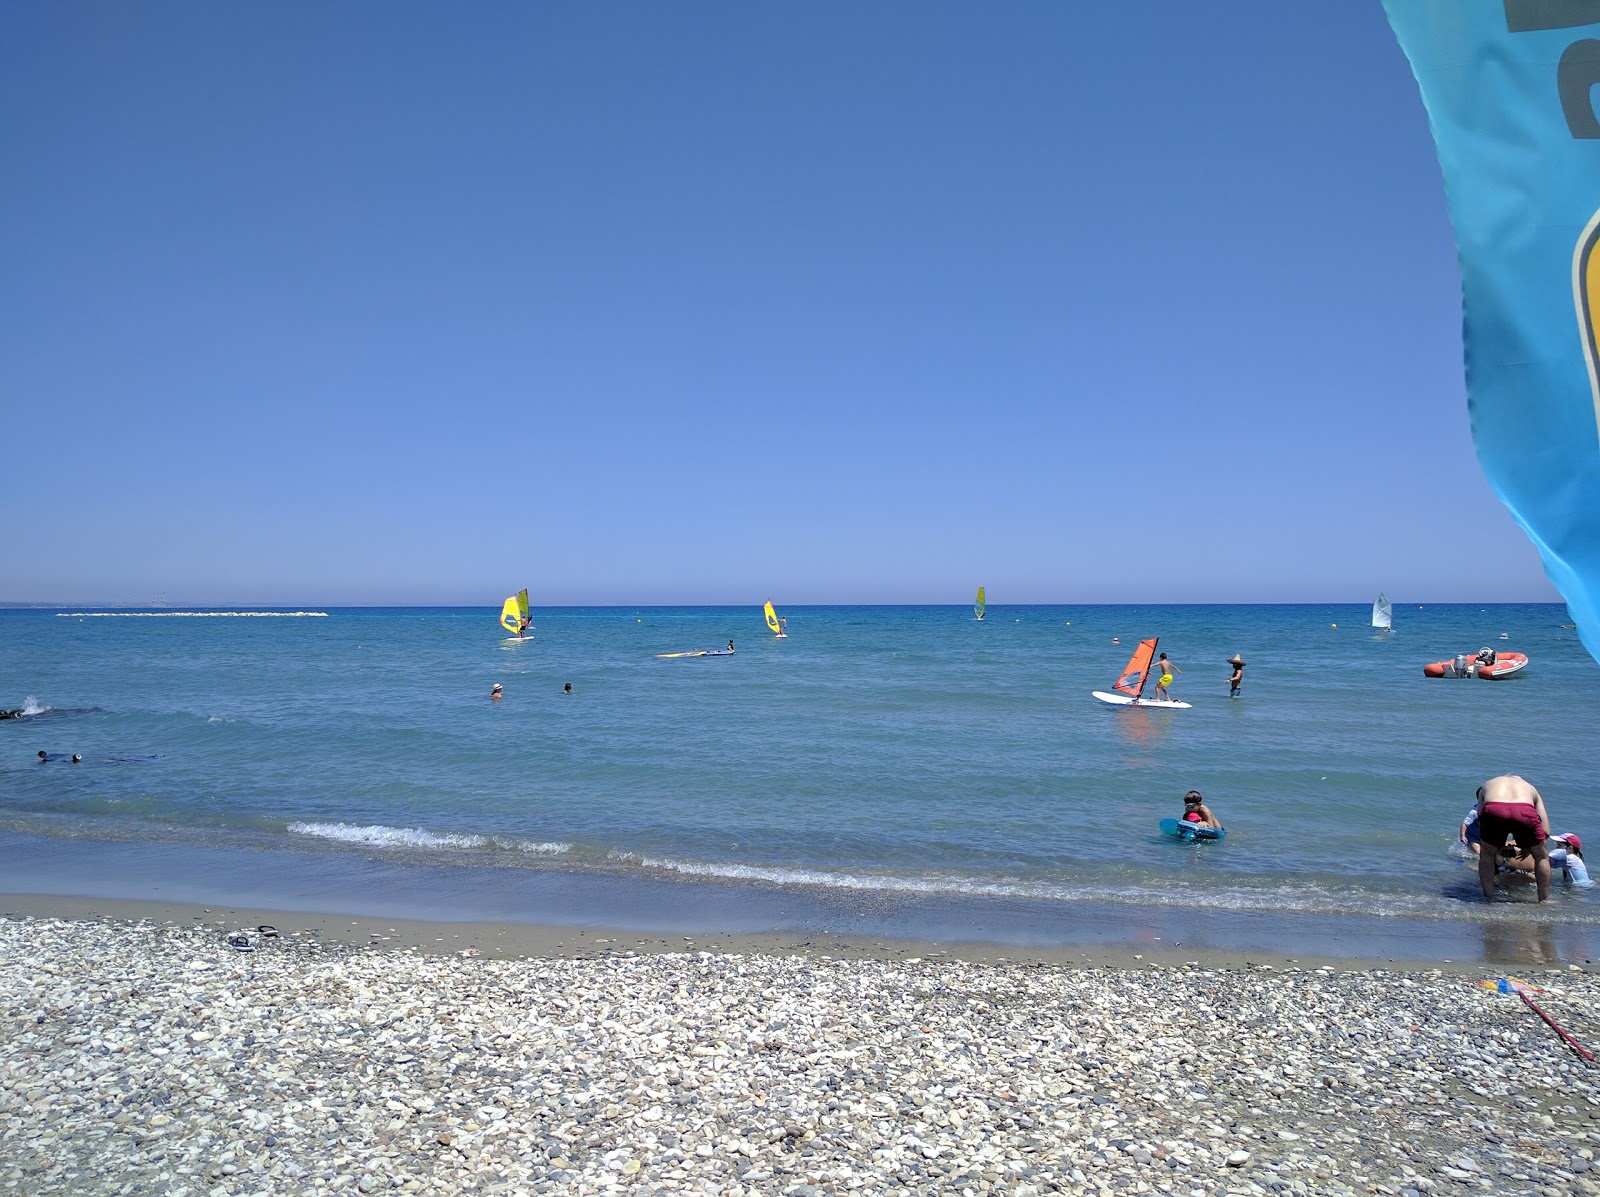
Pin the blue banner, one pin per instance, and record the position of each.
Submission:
(1507, 85)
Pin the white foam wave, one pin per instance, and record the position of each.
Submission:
(1310, 899)
(388, 837)
(191, 615)
(30, 706)
(381, 836)
(532, 847)
(796, 876)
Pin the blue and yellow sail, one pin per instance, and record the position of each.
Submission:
(1508, 85)
(772, 619)
(980, 606)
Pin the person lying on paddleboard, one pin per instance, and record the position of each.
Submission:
(1196, 811)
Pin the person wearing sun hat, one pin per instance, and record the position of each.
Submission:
(1238, 675)
(1566, 854)
(495, 692)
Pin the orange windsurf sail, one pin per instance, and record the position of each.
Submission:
(1133, 677)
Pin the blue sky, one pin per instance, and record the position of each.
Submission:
(638, 303)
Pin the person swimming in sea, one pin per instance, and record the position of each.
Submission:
(1195, 810)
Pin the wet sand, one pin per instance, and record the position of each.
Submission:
(516, 940)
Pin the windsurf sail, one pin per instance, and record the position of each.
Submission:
(1509, 90)
(772, 619)
(981, 607)
(1137, 673)
(1382, 613)
(514, 614)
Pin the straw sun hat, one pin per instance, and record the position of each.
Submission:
(1236, 659)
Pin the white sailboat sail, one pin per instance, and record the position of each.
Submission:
(1382, 613)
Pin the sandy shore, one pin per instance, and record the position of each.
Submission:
(340, 1055)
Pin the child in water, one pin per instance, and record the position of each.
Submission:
(1196, 811)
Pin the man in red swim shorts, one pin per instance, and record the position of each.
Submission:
(1509, 806)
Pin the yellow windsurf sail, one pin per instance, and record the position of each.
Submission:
(511, 615)
(522, 604)
(981, 607)
(772, 619)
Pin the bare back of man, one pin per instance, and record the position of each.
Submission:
(1510, 807)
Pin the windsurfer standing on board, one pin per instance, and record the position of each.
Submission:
(1167, 670)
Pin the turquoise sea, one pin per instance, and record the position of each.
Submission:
(883, 771)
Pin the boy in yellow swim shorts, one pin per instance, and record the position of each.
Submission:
(1167, 670)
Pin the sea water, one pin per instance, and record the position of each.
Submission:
(905, 771)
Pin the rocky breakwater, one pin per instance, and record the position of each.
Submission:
(137, 1058)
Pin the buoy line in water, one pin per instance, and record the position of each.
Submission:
(190, 614)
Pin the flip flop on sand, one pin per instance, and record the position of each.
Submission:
(239, 941)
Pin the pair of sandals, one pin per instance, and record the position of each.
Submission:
(246, 941)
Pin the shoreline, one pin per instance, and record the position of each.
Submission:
(518, 940)
(533, 911)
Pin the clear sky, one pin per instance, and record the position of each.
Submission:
(643, 303)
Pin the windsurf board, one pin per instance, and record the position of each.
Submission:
(1123, 700)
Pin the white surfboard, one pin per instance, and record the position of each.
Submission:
(1122, 700)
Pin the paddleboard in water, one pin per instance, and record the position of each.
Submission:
(1179, 829)
(700, 652)
(1123, 700)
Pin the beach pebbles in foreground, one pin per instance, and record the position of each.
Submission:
(148, 1059)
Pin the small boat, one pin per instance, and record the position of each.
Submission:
(1382, 614)
(514, 616)
(1130, 685)
(980, 608)
(1485, 663)
(778, 626)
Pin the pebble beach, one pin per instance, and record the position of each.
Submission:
(162, 1057)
